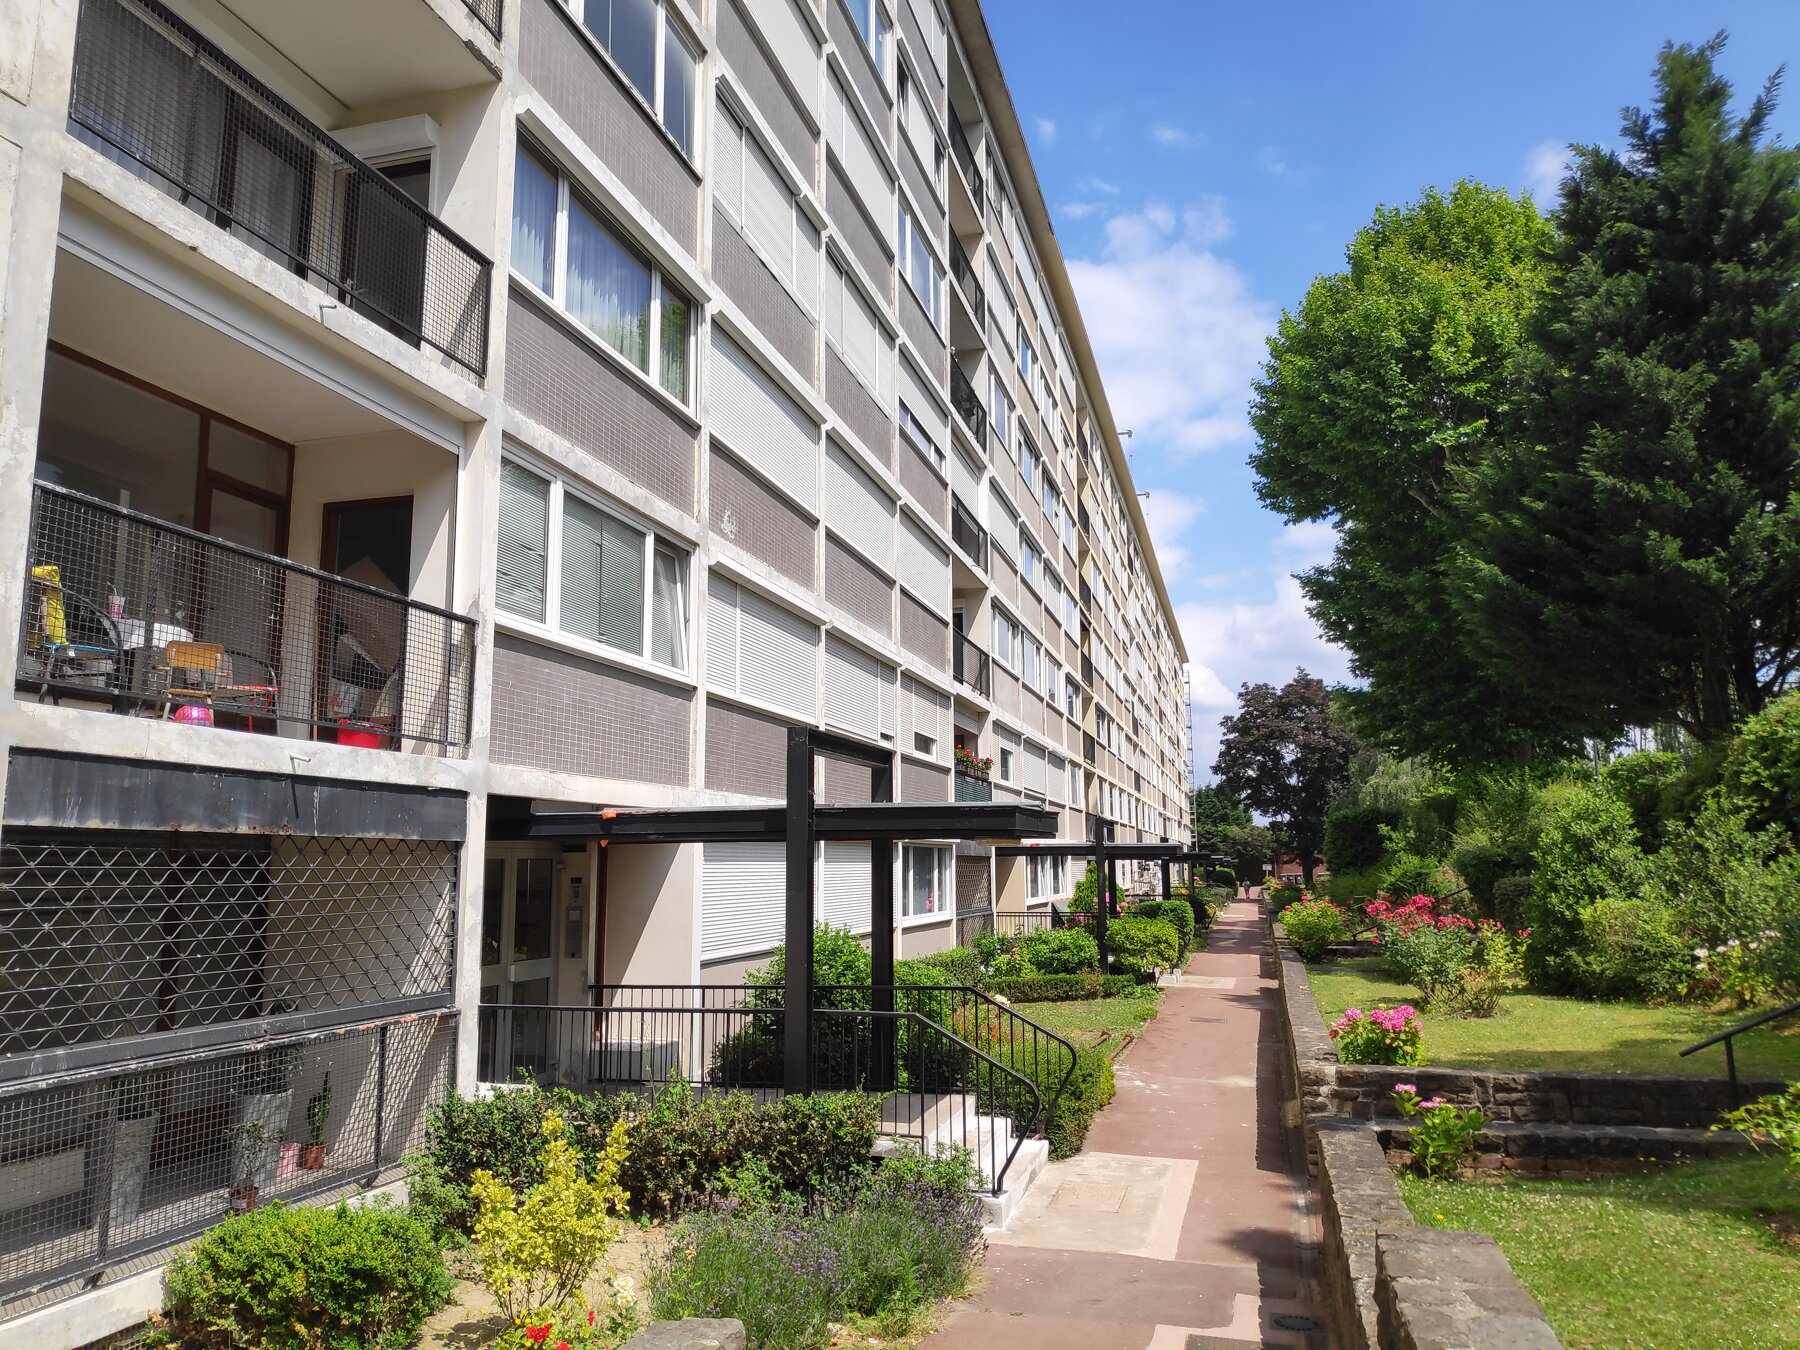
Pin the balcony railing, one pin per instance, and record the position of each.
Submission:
(966, 534)
(154, 95)
(971, 664)
(965, 160)
(964, 272)
(489, 12)
(973, 788)
(103, 1166)
(967, 402)
(159, 620)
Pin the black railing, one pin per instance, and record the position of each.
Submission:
(1728, 1036)
(965, 160)
(1021, 921)
(970, 924)
(153, 93)
(1082, 515)
(1087, 746)
(160, 620)
(103, 1166)
(973, 788)
(966, 532)
(971, 664)
(488, 12)
(964, 272)
(1087, 594)
(967, 403)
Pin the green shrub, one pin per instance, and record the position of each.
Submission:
(1762, 769)
(1482, 865)
(1354, 835)
(1511, 895)
(1640, 781)
(1587, 853)
(1630, 949)
(1408, 874)
(1722, 879)
(1430, 958)
(1062, 988)
(1773, 1120)
(1178, 912)
(297, 1279)
(1313, 926)
(1084, 899)
(1351, 890)
(1139, 946)
(1281, 894)
(1090, 1088)
(1061, 951)
(958, 965)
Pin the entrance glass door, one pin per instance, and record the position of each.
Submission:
(518, 915)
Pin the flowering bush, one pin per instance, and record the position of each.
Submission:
(1282, 894)
(1448, 957)
(976, 766)
(1443, 1136)
(1774, 1119)
(1380, 1036)
(1503, 953)
(1312, 926)
(578, 1325)
(1732, 971)
(1432, 956)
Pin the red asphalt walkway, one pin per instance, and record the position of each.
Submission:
(1185, 1223)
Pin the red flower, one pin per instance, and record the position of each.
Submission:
(590, 1317)
(538, 1335)
(562, 1345)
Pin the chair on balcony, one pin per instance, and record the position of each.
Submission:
(202, 672)
(73, 641)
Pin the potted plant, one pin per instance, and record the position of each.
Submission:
(318, 1112)
(266, 1100)
(252, 1160)
(975, 766)
(134, 1134)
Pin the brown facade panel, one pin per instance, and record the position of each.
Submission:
(857, 409)
(759, 520)
(925, 487)
(916, 324)
(757, 291)
(843, 782)
(745, 751)
(555, 378)
(869, 247)
(856, 588)
(756, 76)
(923, 634)
(923, 782)
(555, 57)
(568, 714)
(926, 197)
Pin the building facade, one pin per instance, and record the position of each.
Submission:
(420, 415)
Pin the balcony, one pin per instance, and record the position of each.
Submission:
(967, 403)
(966, 533)
(154, 95)
(964, 154)
(143, 617)
(488, 13)
(970, 664)
(971, 788)
(964, 272)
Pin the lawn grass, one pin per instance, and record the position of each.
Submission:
(1096, 1021)
(1693, 1257)
(1542, 1031)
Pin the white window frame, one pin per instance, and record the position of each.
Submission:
(1030, 555)
(943, 889)
(550, 626)
(1072, 697)
(910, 243)
(920, 439)
(654, 100)
(999, 405)
(1007, 652)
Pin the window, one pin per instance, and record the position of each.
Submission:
(1072, 697)
(1006, 764)
(1028, 560)
(999, 405)
(603, 283)
(1027, 360)
(569, 564)
(919, 438)
(1028, 462)
(1006, 638)
(1052, 504)
(1053, 678)
(923, 744)
(1030, 654)
(927, 889)
(754, 193)
(922, 271)
(632, 32)
(873, 26)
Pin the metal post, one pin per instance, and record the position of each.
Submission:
(381, 1047)
(882, 1077)
(1102, 899)
(1731, 1073)
(1168, 883)
(797, 995)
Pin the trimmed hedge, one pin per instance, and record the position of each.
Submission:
(1090, 1088)
(1062, 988)
(1178, 912)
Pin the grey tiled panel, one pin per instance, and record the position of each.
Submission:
(923, 782)
(856, 409)
(923, 634)
(759, 293)
(857, 589)
(756, 73)
(745, 751)
(871, 248)
(926, 488)
(759, 520)
(854, 53)
(917, 327)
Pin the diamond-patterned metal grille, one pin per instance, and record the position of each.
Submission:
(102, 1166)
(105, 937)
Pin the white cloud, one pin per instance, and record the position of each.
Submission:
(1099, 185)
(1081, 210)
(1272, 160)
(1175, 138)
(1046, 130)
(1177, 330)
(1545, 165)
(1168, 514)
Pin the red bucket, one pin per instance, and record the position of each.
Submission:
(358, 734)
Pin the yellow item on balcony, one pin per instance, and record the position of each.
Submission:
(53, 627)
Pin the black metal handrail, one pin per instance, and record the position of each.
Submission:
(967, 403)
(970, 664)
(253, 639)
(966, 532)
(964, 272)
(151, 90)
(964, 154)
(1732, 1033)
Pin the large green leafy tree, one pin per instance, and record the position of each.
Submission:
(1214, 811)
(1638, 551)
(1286, 755)
(1376, 405)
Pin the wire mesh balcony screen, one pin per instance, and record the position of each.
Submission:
(966, 531)
(488, 11)
(968, 403)
(106, 937)
(158, 98)
(964, 272)
(96, 1168)
(965, 159)
(149, 617)
(970, 663)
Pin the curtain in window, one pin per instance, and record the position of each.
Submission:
(520, 569)
(608, 288)
(602, 577)
(677, 325)
(534, 219)
(668, 608)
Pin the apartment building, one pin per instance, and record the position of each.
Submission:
(422, 417)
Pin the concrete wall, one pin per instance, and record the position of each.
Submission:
(652, 909)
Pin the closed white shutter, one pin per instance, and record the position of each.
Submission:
(846, 893)
(926, 403)
(966, 479)
(791, 39)
(806, 261)
(858, 697)
(728, 163)
(1000, 302)
(857, 154)
(523, 542)
(1034, 771)
(779, 662)
(1003, 525)
(858, 509)
(769, 210)
(924, 568)
(761, 423)
(722, 641)
(859, 337)
(743, 898)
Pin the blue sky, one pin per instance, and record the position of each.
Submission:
(1204, 161)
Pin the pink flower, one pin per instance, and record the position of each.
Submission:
(1407, 1087)
(1431, 1105)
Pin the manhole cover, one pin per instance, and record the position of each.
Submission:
(1089, 1195)
(1296, 1322)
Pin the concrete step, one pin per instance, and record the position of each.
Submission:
(911, 1124)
